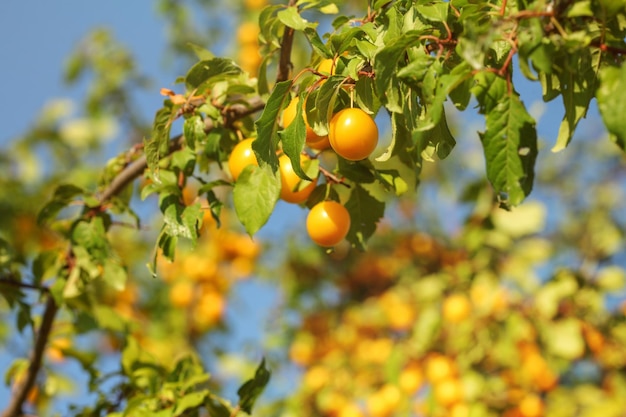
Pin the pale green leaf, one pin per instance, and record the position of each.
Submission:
(255, 194)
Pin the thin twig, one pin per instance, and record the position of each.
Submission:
(136, 168)
(22, 388)
(15, 283)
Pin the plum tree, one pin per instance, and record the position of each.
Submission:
(485, 305)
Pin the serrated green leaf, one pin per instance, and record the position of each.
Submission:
(365, 212)
(180, 220)
(293, 139)
(266, 142)
(255, 194)
(510, 147)
(253, 388)
(612, 103)
(210, 71)
(578, 83)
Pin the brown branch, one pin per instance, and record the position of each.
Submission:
(284, 63)
(9, 281)
(22, 388)
(136, 168)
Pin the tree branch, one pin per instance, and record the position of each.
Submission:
(136, 168)
(284, 64)
(22, 388)
(12, 282)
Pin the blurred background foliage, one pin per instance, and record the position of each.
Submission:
(458, 308)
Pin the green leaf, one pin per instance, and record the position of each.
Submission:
(255, 194)
(46, 265)
(265, 144)
(190, 401)
(291, 18)
(184, 160)
(91, 235)
(193, 130)
(386, 62)
(365, 97)
(316, 42)
(365, 211)
(114, 274)
(210, 71)
(321, 112)
(437, 140)
(578, 82)
(360, 172)
(63, 195)
(253, 388)
(180, 220)
(435, 12)
(157, 146)
(201, 52)
(510, 147)
(293, 139)
(612, 103)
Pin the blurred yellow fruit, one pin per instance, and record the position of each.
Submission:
(181, 294)
(301, 351)
(255, 4)
(350, 410)
(316, 377)
(250, 58)
(460, 410)
(439, 368)
(448, 391)
(209, 309)
(456, 308)
(531, 406)
(375, 351)
(57, 346)
(411, 378)
(248, 33)
(400, 313)
(383, 402)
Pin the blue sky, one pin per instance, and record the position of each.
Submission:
(37, 36)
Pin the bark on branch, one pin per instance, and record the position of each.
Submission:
(23, 387)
